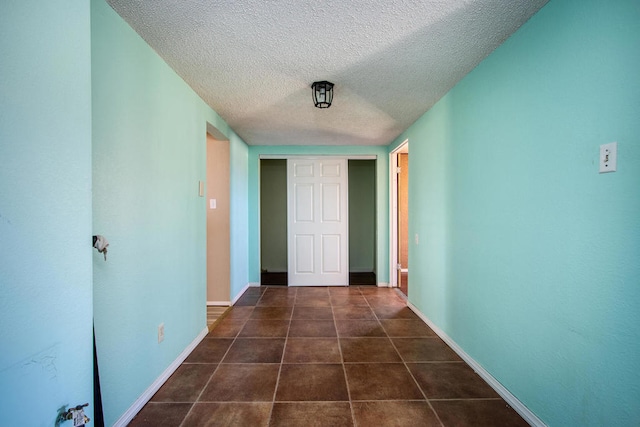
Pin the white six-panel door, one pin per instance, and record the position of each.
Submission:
(317, 222)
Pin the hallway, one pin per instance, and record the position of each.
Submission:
(339, 356)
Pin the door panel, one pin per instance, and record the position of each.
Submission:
(331, 253)
(318, 222)
(304, 254)
(304, 203)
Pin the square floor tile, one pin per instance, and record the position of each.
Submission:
(348, 299)
(312, 328)
(281, 291)
(161, 415)
(186, 383)
(344, 290)
(210, 350)
(425, 350)
(312, 350)
(311, 414)
(406, 328)
(450, 380)
(395, 312)
(238, 313)
(313, 301)
(353, 312)
(394, 413)
(227, 328)
(381, 381)
(362, 350)
(477, 413)
(359, 328)
(247, 300)
(255, 350)
(312, 313)
(313, 291)
(242, 383)
(276, 301)
(312, 382)
(229, 414)
(375, 290)
(385, 301)
(265, 328)
(271, 313)
(255, 290)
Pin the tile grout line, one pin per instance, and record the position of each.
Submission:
(342, 362)
(412, 376)
(284, 349)
(214, 371)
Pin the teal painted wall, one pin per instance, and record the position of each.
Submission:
(45, 210)
(239, 153)
(149, 146)
(382, 197)
(528, 258)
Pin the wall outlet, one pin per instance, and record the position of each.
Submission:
(160, 332)
(608, 157)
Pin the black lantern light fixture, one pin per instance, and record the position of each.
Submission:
(322, 94)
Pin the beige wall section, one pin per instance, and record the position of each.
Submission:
(403, 209)
(218, 233)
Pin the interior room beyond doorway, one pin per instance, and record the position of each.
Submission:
(362, 222)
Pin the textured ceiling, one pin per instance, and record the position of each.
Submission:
(253, 61)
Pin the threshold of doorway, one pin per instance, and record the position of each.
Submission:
(355, 278)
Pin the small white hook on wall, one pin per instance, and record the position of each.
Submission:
(101, 244)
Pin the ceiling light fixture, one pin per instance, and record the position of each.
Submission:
(322, 94)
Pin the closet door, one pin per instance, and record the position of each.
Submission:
(317, 222)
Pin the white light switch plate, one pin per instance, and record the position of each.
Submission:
(608, 157)
(212, 203)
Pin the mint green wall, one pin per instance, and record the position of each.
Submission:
(382, 197)
(528, 258)
(45, 210)
(239, 153)
(362, 216)
(149, 145)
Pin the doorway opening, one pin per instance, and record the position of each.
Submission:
(362, 215)
(218, 223)
(399, 228)
(273, 222)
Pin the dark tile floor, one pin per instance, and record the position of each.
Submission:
(347, 356)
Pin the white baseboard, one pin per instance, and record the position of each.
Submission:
(137, 406)
(219, 303)
(513, 401)
(253, 285)
(383, 285)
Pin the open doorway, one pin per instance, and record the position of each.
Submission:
(218, 223)
(273, 222)
(399, 168)
(361, 230)
(362, 222)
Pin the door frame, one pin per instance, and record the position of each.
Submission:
(393, 212)
(300, 156)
